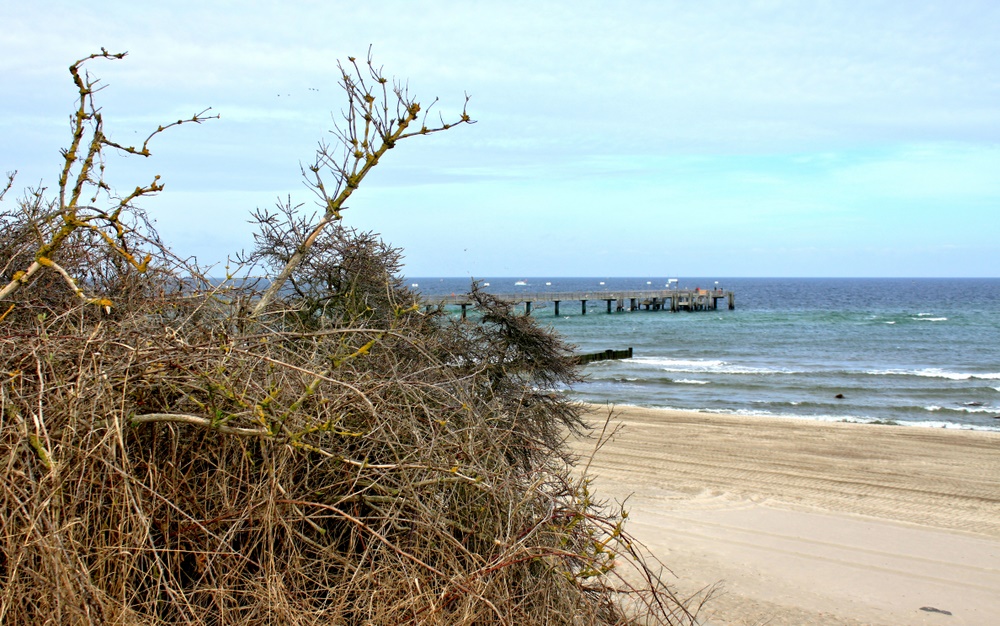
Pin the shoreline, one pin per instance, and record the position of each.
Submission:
(807, 521)
(825, 419)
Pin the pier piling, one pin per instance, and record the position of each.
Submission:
(673, 300)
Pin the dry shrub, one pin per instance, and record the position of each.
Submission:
(343, 456)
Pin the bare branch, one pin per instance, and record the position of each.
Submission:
(374, 122)
(8, 185)
(195, 420)
(82, 173)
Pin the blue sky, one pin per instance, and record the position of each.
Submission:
(613, 139)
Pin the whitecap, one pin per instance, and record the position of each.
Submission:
(687, 381)
(890, 322)
(963, 409)
(930, 319)
(856, 419)
(703, 366)
(935, 372)
(659, 361)
(979, 409)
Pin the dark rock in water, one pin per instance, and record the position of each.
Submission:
(839, 396)
(931, 609)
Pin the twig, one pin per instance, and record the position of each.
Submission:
(195, 420)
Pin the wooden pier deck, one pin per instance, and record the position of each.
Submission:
(630, 300)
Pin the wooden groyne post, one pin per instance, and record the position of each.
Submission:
(607, 355)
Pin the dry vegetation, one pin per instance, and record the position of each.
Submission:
(314, 448)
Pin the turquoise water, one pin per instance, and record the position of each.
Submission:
(920, 351)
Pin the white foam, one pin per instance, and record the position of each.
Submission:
(686, 381)
(818, 418)
(976, 409)
(948, 425)
(935, 372)
(855, 419)
(930, 319)
(703, 366)
(658, 361)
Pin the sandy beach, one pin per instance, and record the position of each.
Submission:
(808, 522)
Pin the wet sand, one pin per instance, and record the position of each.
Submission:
(808, 522)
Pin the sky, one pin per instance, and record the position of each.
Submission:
(714, 138)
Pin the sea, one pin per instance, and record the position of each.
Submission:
(910, 351)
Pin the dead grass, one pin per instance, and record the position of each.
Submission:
(164, 468)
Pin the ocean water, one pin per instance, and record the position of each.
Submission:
(922, 351)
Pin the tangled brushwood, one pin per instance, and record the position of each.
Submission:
(312, 448)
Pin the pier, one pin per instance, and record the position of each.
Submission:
(672, 300)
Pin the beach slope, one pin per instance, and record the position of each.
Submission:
(809, 522)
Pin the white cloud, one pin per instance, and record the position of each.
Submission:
(757, 119)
